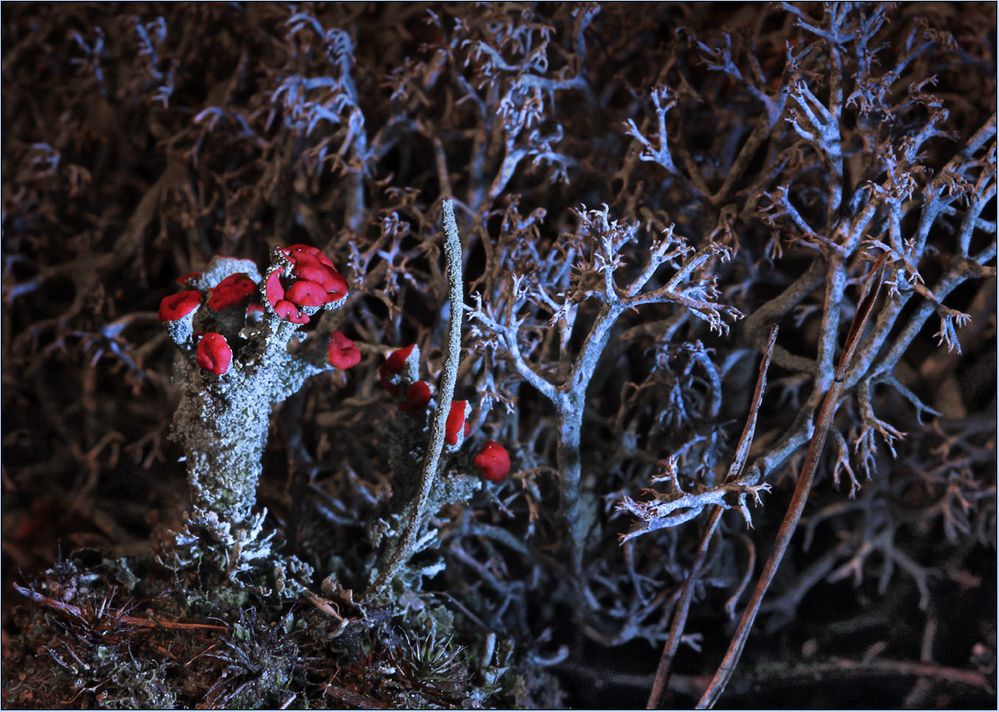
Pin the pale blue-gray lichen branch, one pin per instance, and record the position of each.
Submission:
(417, 510)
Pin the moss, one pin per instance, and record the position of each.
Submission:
(87, 642)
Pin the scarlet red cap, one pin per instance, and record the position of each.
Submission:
(214, 354)
(397, 359)
(314, 281)
(326, 277)
(311, 265)
(304, 252)
(393, 365)
(289, 312)
(274, 288)
(493, 461)
(336, 286)
(231, 290)
(176, 306)
(306, 294)
(455, 421)
(417, 397)
(342, 352)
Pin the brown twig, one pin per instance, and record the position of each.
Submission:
(349, 697)
(840, 668)
(77, 612)
(823, 422)
(683, 605)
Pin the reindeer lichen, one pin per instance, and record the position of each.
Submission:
(655, 328)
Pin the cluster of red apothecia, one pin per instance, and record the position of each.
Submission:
(307, 281)
(293, 292)
(492, 461)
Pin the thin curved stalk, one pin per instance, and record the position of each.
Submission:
(449, 378)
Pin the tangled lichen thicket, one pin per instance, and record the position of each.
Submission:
(513, 354)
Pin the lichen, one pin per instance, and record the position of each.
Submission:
(515, 449)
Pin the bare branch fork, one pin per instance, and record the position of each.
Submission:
(568, 394)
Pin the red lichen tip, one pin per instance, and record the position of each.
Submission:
(397, 359)
(493, 461)
(316, 270)
(327, 278)
(273, 288)
(417, 397)
(306, 294)
(214, 354)
(455, 423)
(290, 312)
(176, 306)
(189, 277)
(312, 281)
(296, 252)
(336, 286)
(342, 352)
(231, 290)
(393, 366)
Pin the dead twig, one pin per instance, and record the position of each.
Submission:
(683, 605)
(823, 422)
(77, 612)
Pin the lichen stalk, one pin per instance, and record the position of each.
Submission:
(449, 377)
(236, 362)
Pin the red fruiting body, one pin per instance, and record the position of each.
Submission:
(296, 252)
(397, 359)
(392, 366)
(318, 273)
(417, 397)
(214, 354)
(273, 288)
(179, 305)
(301, 247)
(315, 283)
(306, 294)
(455, 421)
(336, 286)
(311, 265)
(231, 290)
(290, 312)
(342, 352)
(187, 278)
(493, 461)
